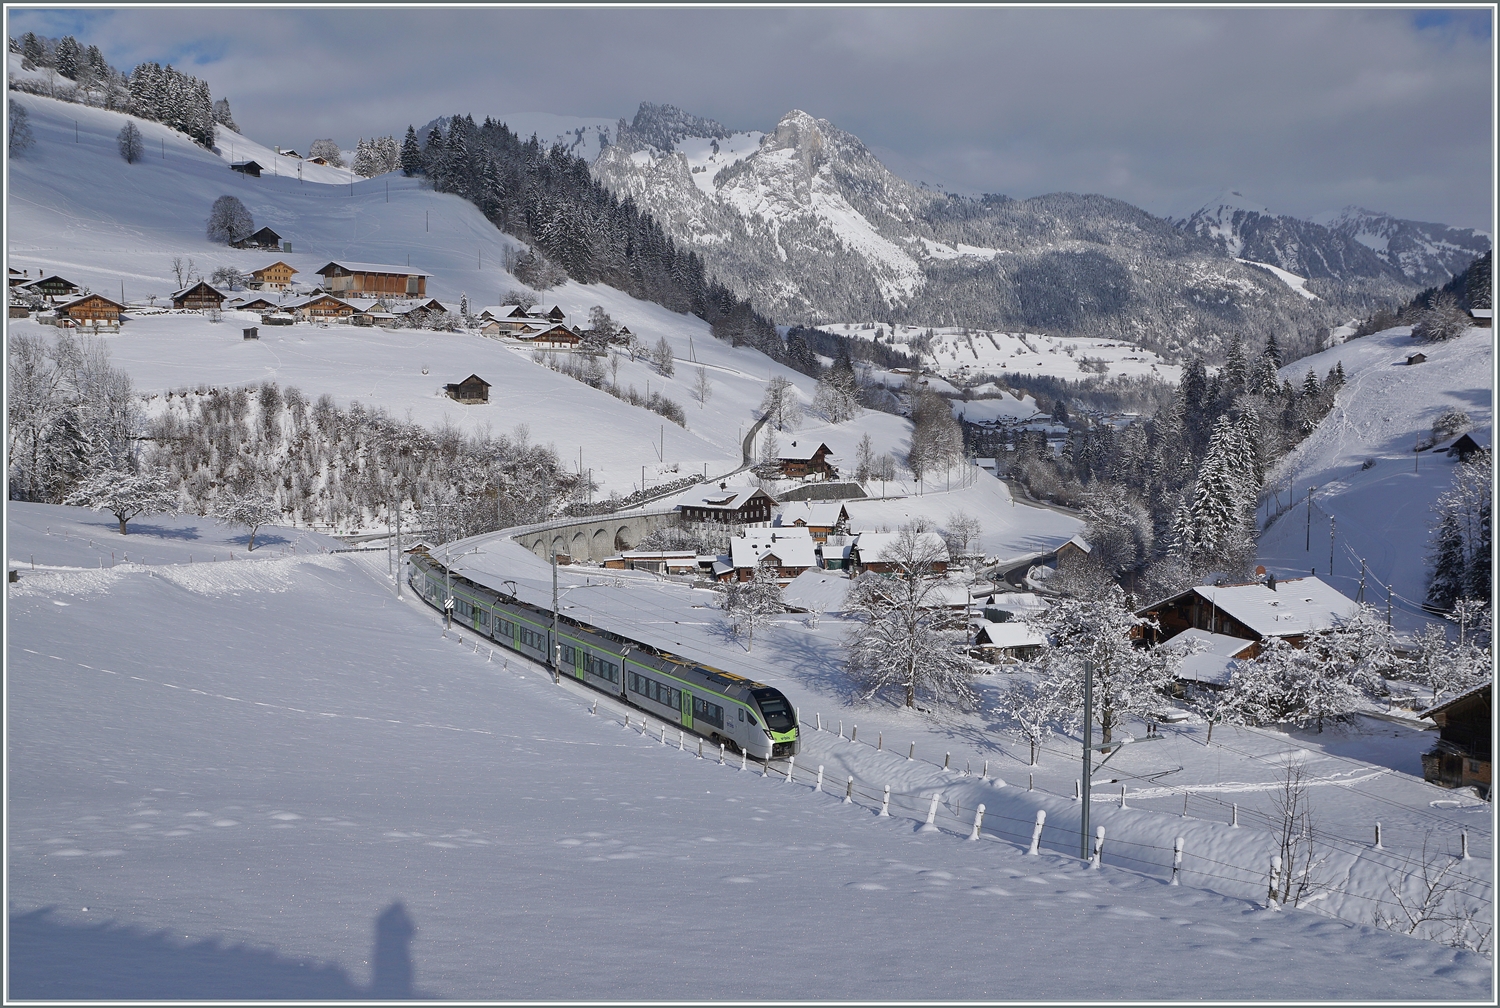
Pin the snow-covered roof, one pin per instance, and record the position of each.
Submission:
(806, 452)
(1478, 313)
(1219, 644)
(364, 267)
(1294, 607)
(1019, 603)
(729, 498)
(195, 286)
(501, 311)
(1453, 700)
(822, 514)
(1081, 543)
(872, 544)
(792, 546)
(1008, 635)
(817, 591)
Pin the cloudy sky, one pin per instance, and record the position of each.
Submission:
(1304, 110)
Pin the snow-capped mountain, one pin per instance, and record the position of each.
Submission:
(1353, 244)
(1425, 253)
(807, 221)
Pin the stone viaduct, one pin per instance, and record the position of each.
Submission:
(596, 537)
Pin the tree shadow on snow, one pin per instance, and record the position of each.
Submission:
(54, 960)
(262, 538)
(138, 530)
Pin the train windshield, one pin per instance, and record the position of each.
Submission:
(774, 706)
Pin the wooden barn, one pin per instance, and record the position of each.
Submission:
(1484, 318)
(472, 389)
(252, 168)
(200, 296)
(1289, 609)
(265, 238)
(259, 304)
(277, 276)
(1416, 358)
(555, 337)
(324, 308)
(373, 279)
(1461, 755)
(92, 309)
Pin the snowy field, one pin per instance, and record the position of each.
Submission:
(957, 352)
(312, 794)
(1383, 513)
(79, 210)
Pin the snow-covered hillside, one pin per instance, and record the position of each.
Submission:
(276, 800)
(1368, 478)
(959, 351)
(79, 210)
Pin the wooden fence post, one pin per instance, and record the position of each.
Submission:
(978, 819)
(849, 790)
(1176, 859)
(911, 753)
(1274, 891)
(819, 785)
(930, 826)
(885, 803)
(791, 765)
(1098, 847)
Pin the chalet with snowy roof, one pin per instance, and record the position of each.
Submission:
(252, 168)
(555, 315)
(1461, 755)
(256, 304)
(1464, 446)
(557, 337)
(1484, 318)
(500, 327)
(784, 552)
(55, 288)
(1007, 607)
(318, 160)
(1416, 358)
(324, 308)
(265, 238)
(288, 153)
(808, 458)
(621, 335)
(1289, 609)
(872, 551)
(472, 389)
(817, 591)
(18, 277)
(1075, 548)
(200, 296)
(277, 276)
(373, 278)
(821, 518)
(1209, 659)
(1007, 643)
(730, 505)
(92, 310)
(510, 311)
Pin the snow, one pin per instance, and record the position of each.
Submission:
(1292, 280)
(1383, 512)
(707, 157)
(816, 590)
(163, 816)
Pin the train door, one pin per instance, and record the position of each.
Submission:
(687, 708)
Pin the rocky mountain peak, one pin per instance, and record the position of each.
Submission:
(662, 127)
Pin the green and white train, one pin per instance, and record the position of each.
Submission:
(721, 706)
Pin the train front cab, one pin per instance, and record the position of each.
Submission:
(780, 720)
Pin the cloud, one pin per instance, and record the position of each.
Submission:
(1304, 109)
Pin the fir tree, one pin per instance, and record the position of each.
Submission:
(411, 154)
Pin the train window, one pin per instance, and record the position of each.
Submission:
(484, 617)
(742, 712)
(568, 658)
(710, 712)
(752, 719)
(774, 707)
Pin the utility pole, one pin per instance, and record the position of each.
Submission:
(556, 644)
(1088, 757)
(1361, 596)
(1308, 547)
(1333, 527)
(399, 554)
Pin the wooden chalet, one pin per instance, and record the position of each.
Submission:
(1289, 609)
(288, 153)
(741, 505)
(820, 518)
(472, 389)
(199, 296)
(325, 308)
(1464, 446)
(252, 168)
(621, 335)
(277, 276)
(655, 561)
(317, 160)
(1484, 318)
(555, 315)
(507, 327)
(1007, 643)
(506, 311)
(807, 459)
(785, 552)
(373, 279)
(92, 309)
(259, 304)
(1461, 755)
(18, 277)
(55, 288)
(265, 238)
(1416, 358)
(870, 552)
(555, 337)
(1074, 549)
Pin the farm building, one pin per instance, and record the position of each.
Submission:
(821, 518)
(784, 552)
(472, 389)
(55, 288)
(252, 168)
(373, 278)
(92, 309)
(323, 308)
(506, 327)
(1289, 609)
(277, 276)
(555, 337)
(655, 561)
(1007, 642)
(1416, 358)
(265, 238)
(740, 505)
(1461, 755)
(1484, 318)
(870, 552)
(199, 296)
(507, 311)
(1075, 548)
(1463, 446)
(808, 459)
